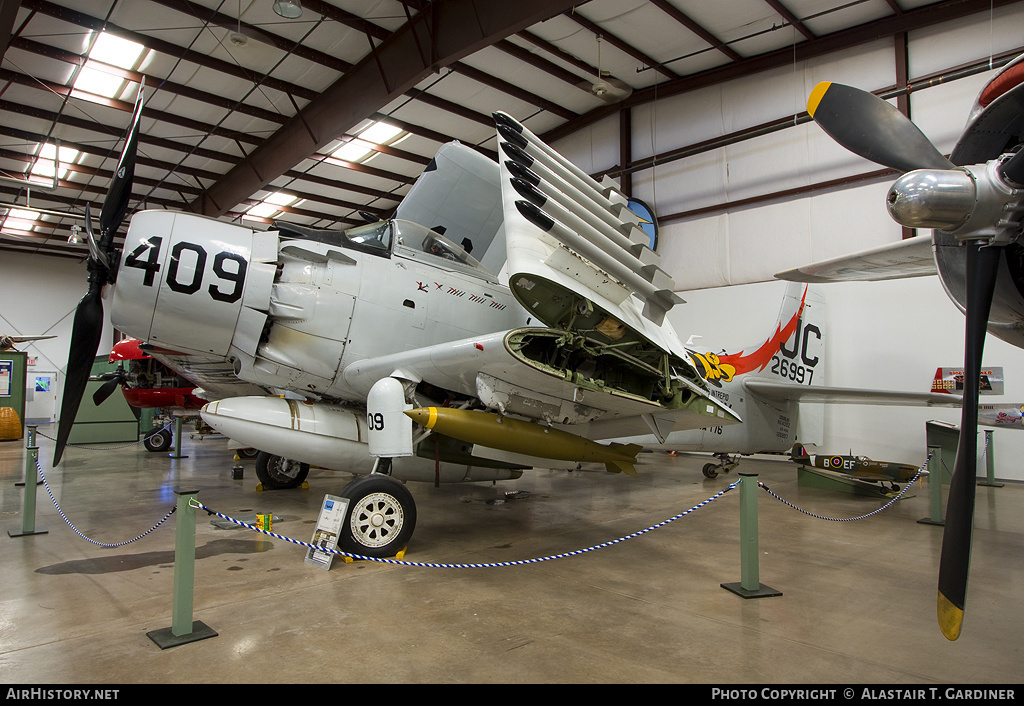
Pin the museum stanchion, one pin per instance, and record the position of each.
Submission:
(750, 585)
(183, 628)
(177, 439)
(990, 463)
(28, 513)
(934, 488)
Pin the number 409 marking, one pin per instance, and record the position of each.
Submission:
(146, 257)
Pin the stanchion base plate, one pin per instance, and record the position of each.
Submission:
(761, 591)
(930, 521)
(165, 638)
(25, 534)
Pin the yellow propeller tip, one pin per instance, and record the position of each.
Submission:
(816, 95)
(950, 617)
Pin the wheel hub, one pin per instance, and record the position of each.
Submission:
(377, 520)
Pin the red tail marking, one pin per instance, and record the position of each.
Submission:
(760, 358)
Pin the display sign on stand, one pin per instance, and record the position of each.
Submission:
(328, 528)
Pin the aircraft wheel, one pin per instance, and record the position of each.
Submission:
(709, 470)
(277, 473)
(381, 517)
(247, 453)
(159, 440)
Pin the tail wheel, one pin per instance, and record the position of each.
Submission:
(710, 470)
(278, 473)
(381, 517)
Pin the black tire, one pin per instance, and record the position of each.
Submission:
(277, 473)
(247, 453)
(159, 440)
(710, 471)
(381, 517)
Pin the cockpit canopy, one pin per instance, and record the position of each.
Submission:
(385, 237)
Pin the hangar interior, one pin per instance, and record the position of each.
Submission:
(701, 112)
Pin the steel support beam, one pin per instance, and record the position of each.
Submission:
(452, 29)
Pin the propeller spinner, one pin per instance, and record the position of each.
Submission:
(88, 322)
(980, 206)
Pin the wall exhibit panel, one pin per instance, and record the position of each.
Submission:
(937, 48)
(767, 164)
(941, 111)
(763, 240)
(695, 252)
(594, 149)
(685, 184)
(677, 121)
(844, 221)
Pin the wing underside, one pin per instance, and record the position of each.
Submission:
(913, 257)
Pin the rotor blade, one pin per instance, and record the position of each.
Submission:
(105, 390)
(85, 339)
(115, 205)
(872, 128)
(982, 266)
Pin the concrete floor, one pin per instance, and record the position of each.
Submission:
(858, 603)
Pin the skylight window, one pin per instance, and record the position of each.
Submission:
(96, 78)
(380, 133)
(116, 51)
(47, 166)
(270, 206)
(360, 149)
(18, 219)
(355, 150)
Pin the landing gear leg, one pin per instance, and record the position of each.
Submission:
(725, 464)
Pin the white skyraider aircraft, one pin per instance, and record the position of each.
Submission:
(366, 330)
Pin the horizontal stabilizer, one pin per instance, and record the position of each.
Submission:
(848, 395)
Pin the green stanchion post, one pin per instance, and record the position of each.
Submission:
(28, 512)
(934, 488)
(990, 462)
(177, 439)
(183, 628)
(750, 585)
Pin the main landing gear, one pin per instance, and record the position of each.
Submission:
(725, 464)
(381, 517)
(279, 473)
(381, 510)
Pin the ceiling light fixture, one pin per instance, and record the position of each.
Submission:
(289, 9)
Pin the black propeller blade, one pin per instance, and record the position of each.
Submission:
(982, 263)
(88, 323)
(1013, 168)
(872, 128)
(111, 383)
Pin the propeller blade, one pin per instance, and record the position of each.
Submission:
(1013, 169)
(105, 390)
(85, 339)
(94, 248)
(88, 324)
(982, 267)
(115, 205)
(872, 128)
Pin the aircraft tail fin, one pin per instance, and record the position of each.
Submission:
(794, 349)
(799, 453)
